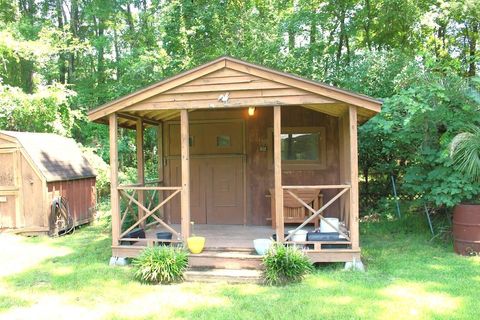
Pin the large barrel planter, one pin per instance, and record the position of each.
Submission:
(466, 229)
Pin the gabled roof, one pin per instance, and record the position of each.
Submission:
(56, 157)
(329, 93)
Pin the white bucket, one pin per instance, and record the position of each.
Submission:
(299, 236)
(324, 227)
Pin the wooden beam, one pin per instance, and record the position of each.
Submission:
(185, 199)
(135, 118)
(277, 161)
(114, 197)
(306, 99)
(354, 230)
(140, 166)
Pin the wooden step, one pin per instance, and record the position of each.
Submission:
(223, 259)
(224, 275)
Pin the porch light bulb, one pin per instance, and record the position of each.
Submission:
(251, 111)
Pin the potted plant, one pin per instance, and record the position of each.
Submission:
(194, 243)
(465, 152)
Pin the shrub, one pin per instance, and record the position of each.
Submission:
(284, 264)
(160, 265)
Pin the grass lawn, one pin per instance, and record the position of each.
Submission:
(407, 277)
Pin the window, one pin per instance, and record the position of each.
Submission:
(303, 148)
(300, 146)
(223, 141)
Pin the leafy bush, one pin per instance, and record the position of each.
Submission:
(103, 172)
(160, 265)
(285, 264)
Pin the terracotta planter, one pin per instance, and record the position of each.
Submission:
(196, 244)
(466, 229)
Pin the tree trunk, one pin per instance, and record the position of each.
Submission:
(291, 40)
(62, 70)
(74, 22)
(27, 10)
(313, 38)
(100, 52)
(117, 53)
(472, 42)
(367, 25)
(341, 35)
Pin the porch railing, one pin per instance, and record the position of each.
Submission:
(318, 213)
(156, 197)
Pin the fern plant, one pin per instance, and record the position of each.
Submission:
(285, 264)
(465, 151)
(160, 265)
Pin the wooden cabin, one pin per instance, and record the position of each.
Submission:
(37, 168)
(231, 135)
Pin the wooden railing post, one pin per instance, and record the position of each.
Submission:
(114, 196)
(354, 215)
(140, 166)
(185, 197)
(277, 161)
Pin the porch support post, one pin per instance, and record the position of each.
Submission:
(114, 197)
(160, 169)
(140, 167)
(277, 161)
(160, 151)
(354, 230)
(185, 199)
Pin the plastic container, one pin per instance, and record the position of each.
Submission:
(164, 236)
(299, 236)
(326, 228)
(196, 244)
(262, 245)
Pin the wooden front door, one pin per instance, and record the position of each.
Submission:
(216, 172)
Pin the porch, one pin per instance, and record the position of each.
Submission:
(239, 238)
(228, 134)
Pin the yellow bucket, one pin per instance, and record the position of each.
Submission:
(196, 244)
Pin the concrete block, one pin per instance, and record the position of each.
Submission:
(118, 261)
(355, 265)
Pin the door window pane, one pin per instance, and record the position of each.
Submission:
(223, 141)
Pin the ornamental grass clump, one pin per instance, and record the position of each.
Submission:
(160, 265)
(285, 264)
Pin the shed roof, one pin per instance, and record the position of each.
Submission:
(56, 157)
(143, 103)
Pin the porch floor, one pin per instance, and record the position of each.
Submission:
(229, 236)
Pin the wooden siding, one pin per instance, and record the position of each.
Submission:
(80, 195)
(198, 89)
(32, 196)
(259, 172)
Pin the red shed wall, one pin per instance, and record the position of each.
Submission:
(81, 197)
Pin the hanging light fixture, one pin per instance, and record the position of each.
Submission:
(251, 111)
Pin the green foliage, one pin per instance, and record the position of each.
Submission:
(103, 173)
(160, 265)
(410, 140)
(46, 110)
(285, 264)
(465, 150)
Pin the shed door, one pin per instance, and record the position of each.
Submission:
(9, 189)
(216, 172)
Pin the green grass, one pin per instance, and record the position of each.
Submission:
(408, 277)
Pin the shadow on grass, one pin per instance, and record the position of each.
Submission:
(82, 274)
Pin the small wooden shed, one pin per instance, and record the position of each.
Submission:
(36, 168)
